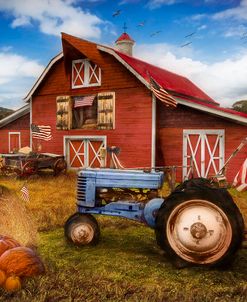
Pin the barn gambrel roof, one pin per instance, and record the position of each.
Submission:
(185, 92)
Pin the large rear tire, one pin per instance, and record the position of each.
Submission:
(200, 226)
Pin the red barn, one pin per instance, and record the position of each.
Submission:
(15, 130)
(92, 97)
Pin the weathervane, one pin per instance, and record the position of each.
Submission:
(125, 27)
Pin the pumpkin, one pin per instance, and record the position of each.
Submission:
(22, 262)
(2, 277)
(7, 243)
(12, 284)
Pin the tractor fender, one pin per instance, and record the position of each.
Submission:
(151, 209)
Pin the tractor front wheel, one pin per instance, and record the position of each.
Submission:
(82, 229)
(200, 227)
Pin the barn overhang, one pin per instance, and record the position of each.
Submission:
(15, 115)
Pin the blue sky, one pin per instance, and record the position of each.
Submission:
(215, 58)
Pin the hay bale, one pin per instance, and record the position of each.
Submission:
(15, 219)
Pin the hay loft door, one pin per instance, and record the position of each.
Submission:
(204, 150)
(85, 152)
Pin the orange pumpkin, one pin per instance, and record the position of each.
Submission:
(21, 261)
(2, 277)
(7, 243)
(12, 284)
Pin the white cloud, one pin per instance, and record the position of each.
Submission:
(53, 17)
(239, 12)
(224, 81)
(17, 73)
(152, 4)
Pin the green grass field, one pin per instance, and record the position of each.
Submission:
(126, 265)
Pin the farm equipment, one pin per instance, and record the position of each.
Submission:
(198, 223)
(26, 165)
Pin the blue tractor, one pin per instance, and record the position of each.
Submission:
(198, 223)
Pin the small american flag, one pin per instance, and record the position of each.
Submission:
(161, 94)
(240, 181)
(81, 101)
(41, 132)
(25, 193)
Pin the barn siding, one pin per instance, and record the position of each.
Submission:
(133, 111)
(171, 124)
(20, 125)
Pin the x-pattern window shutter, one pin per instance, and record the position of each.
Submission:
(94, 74)
(64, 112)
(78, 73)
(106, 110)
(85, 73)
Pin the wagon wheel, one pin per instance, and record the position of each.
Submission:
(82, 229)
(30, 167)
(59, 166)
(200, 227)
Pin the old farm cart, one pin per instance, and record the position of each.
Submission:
(198, 223)
(25, 165)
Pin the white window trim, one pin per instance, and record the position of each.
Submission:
(15, 133)
(86, 66)
(68, 138)
(203, 132)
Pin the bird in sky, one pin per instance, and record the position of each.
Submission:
(116, 13)
(155, 33)
(186, 44)
(141, 24)
(190, 35)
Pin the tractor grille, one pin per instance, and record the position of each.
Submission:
(81, 189)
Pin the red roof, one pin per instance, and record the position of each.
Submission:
(125, 37)
(172, 82)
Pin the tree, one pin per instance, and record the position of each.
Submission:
(240, 106)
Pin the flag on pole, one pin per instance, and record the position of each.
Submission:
(81, 101)
(41, 132)
(240, 180)
(162, 94)
(25, 193)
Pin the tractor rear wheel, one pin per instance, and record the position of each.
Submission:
(200, 226)
(82, 229)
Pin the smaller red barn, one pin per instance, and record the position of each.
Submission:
(15, 130)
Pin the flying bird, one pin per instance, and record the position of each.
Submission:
(190, 35)
(155, 33)
(141, 24)
(116, 13)
(186, 44)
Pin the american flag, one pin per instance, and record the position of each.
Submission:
(41, 132)
(81, 101)
(240, 181)
(25, 193)
(161, 94)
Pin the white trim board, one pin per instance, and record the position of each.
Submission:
(214, 111)
(43, 74)
(15, 133)
(15, 115)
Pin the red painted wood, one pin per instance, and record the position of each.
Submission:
(20, 125)
(133, 112)
(171, 124)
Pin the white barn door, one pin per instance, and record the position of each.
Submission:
(85, 152)
(204, 150)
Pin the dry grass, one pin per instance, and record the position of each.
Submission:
(16, 220)
(127, 265)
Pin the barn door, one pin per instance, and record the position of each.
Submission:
(86, 152)
(14, 141)
(203, 152)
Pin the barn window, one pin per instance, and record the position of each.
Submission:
(85, 74)
(86, 112)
